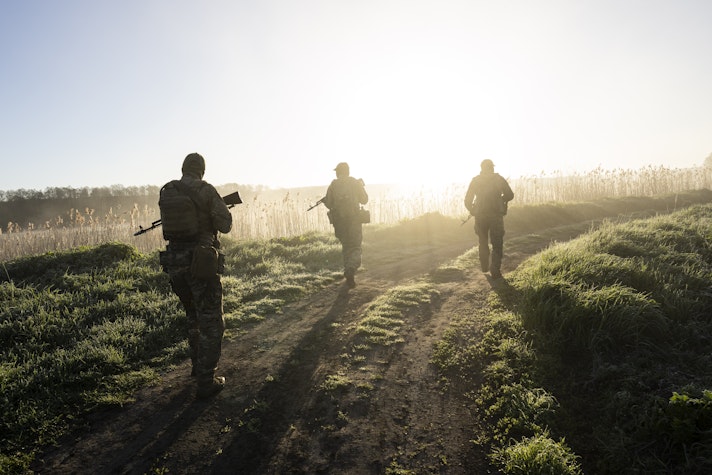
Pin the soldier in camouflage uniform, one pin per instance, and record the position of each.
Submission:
(343, 198)
(486, 199)
(201, 296)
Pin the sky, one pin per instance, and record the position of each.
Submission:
(277, 92)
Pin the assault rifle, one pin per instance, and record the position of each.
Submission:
(230, 200)
(316, 204)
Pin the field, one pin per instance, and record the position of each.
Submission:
(591, 357)
(267, 214)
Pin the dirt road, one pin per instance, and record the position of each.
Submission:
(278, 414)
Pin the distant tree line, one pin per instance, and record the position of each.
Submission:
(60, 206)
(56, 206)
(62, 193)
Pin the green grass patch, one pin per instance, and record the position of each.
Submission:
(86, 328)
(604, 339)
(383, 318)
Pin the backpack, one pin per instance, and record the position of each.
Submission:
(489, 200)
(345, 200)
(179, 206)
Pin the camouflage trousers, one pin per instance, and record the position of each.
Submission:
(202, 301)
(350, 234)
(490, 229)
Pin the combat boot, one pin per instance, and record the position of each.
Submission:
(211, 388)
(349, 275)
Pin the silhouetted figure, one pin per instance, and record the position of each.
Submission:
(343, 198)
(192, 213)
(486, 199)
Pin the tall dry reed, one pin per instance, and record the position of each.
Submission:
(288, 216)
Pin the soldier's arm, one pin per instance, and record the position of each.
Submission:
(470, 196)
(329, 197)
(507, 193)
(219, 212)
(362, 195)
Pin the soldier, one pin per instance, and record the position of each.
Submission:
(343, 198)
(192, 213)
(486, 199)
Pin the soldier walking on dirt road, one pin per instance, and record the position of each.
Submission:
(343, 198)
(486, 199)
(192, 213)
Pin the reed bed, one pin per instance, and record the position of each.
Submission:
(287, 215)
(600, 183)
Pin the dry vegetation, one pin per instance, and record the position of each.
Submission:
(285, 214)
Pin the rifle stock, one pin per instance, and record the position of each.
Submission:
(230, 200)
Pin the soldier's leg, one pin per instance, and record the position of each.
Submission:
(193, 343)
(352, 252)
(212, 327)
(497, 237)
(482, 231)
(341, 234)
(181, 287)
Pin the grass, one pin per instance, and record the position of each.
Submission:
(383, 318)
(538, 455)
(603, 340)
(83, 329)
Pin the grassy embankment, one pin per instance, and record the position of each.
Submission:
(596, 353)
(85, 328)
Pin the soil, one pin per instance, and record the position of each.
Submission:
(276, 415)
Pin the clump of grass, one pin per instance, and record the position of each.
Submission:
(538, 454)
(382, 319)
(335, 382)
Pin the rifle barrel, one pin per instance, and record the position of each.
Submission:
(316, 204)
(230, 200)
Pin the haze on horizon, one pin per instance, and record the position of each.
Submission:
(277, 92)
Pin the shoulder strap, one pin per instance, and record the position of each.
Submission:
(192, 194)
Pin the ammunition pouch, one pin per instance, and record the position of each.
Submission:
(364, 216)
(173, 259)
(503, 208)
(207, 262)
